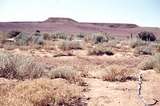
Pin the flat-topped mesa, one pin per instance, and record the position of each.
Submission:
(116, 25)
(119, 25)
(59, 19)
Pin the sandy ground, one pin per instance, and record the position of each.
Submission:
(103, 93)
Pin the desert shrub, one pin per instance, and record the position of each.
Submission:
(59, 54)
(49, 45)
(151, 63)
(3, 37)
(65, 72)
(112, 43)
(137, 43)
(158, 47)
(100, 50)
(37, 38)
(96, 38)
(22, 39)
(146, 64)
(27, 67)
(118, 73)
(19, 66)
(7, 67)
(80, 35)
(43, 92)
(157, 62)
(68, 45)
(147, 36)
(46, 36)
(143, 50)
(13, 33)
(61, 35)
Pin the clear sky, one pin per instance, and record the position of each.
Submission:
(141, 12)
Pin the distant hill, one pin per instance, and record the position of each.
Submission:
(56, 24)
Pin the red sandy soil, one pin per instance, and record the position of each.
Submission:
(72, 26)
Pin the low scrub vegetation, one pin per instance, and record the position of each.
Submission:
(158, 47)
(97, 38)
(47, 36)
(118, 73)
(42, 92)
(37, 38)
(151, 63)
(23, 67)
(100, 50)
(136, 43)
(146, 64)
(143, 50)
(13, 33)
(61, 35)
(68, 45)
(66, 72)
(147, 36)
(19, 66)
(7, 67)
(22, 39)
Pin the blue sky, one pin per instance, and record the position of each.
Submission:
(141, 12)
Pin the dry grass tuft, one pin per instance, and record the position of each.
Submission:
(97, 37)
(27, 67)
(7, 67)
(42, 92)
(19, 66)
(136, 43)
(158, 48)
(146, 64)
(143, 50)
(100, 50)
(66, 72)
(6, 85)
(118, 73)
(151, 63)
(68, 45)
(156, 65)
(64, 53)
